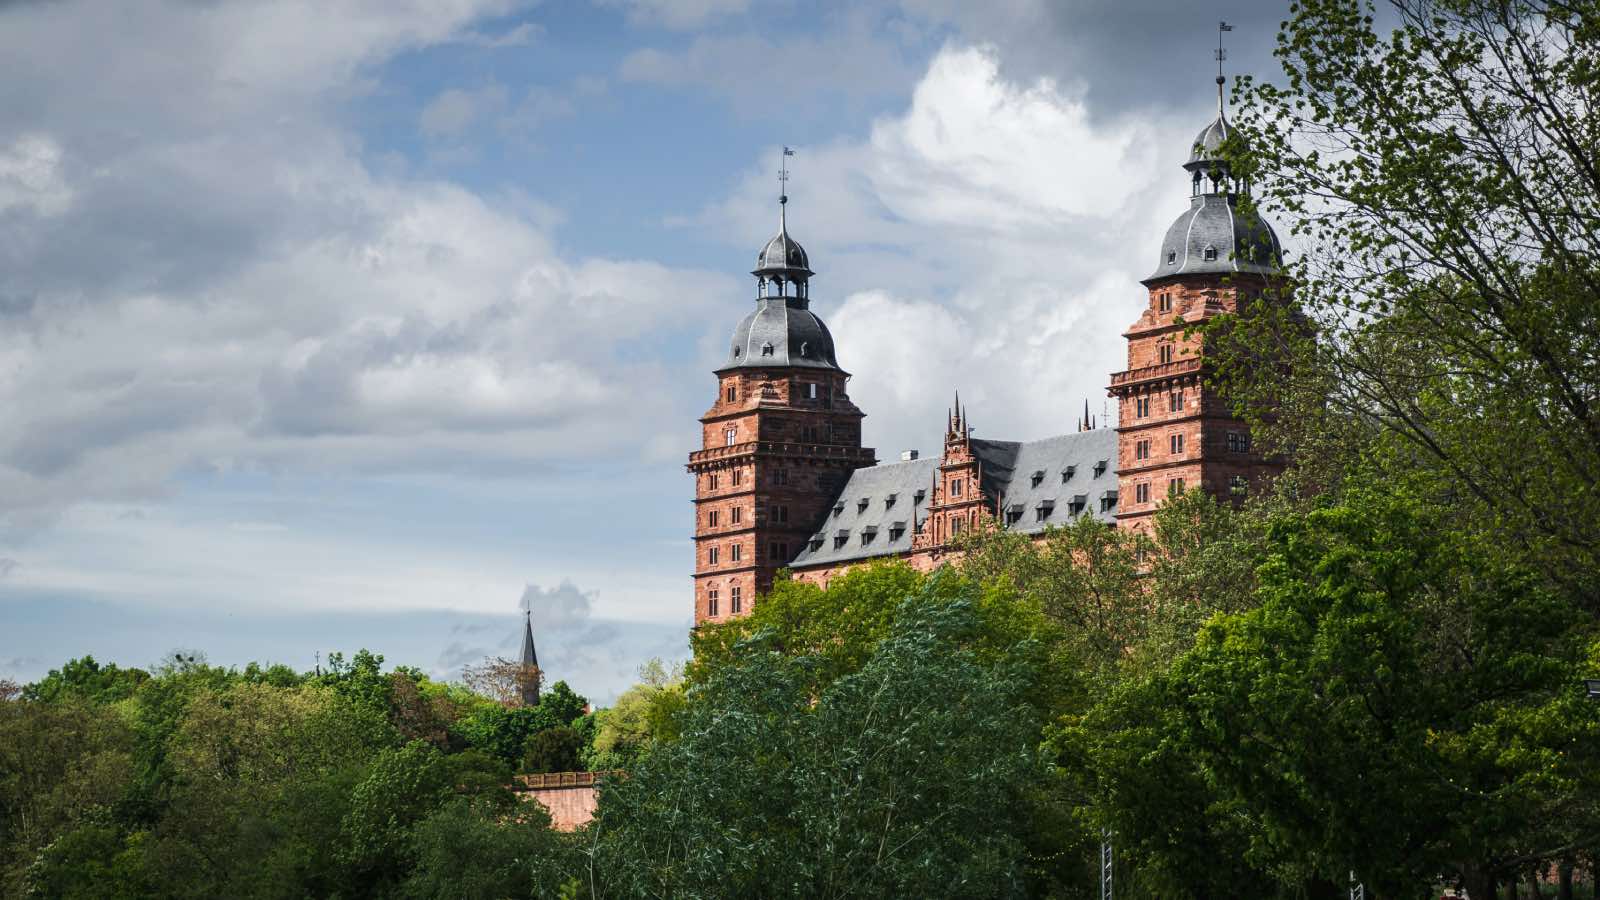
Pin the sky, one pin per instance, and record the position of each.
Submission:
(329, 325)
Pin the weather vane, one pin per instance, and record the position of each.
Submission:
(1222, 54)
(783, 174)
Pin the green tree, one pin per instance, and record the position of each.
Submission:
(403, 787)
(554, 750)
(85, 679)
(1401, 703)
(1440, 176)
(642, 715)
(898, 779)
(468, 851)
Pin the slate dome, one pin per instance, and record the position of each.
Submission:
(1214, 236)
(781, 331)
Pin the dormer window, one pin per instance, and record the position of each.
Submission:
(1099, 468)
(867, 534)
(1013, 513)
(766, 349)
(896, 529)
(738, 352)
(1079, 501)
(888, 502)
(1038, 476)
(920, 495)
(1108, 501)
(1210, 253)
(1043, 510)
(805, 349)
(1172, 257)
(816, 542)
(840, 538)
(862, 504)
(1067, 473)
(838, 508)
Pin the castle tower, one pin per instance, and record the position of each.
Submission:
(1174, 433)
(779, 441)
(958, 503)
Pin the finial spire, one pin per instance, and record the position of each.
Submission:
(783, 188)
(1222, 54)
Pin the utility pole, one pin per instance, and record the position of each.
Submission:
(1106, 860)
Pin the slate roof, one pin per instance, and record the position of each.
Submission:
(1214, 227)
(875, 484)
(782, 331)
(1008, 468)
(1207, 145)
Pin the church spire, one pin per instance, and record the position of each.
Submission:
(529, 675)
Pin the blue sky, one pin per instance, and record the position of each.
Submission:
(331, 325)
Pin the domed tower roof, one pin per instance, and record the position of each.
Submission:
(782, 330)
(1215, 236)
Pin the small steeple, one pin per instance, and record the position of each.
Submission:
(530, 676)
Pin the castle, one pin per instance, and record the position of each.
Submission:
(783, 482)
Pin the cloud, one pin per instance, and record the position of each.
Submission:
(676, 14)
(521, 35)
(7, 566)
(988, 238)
(257, 296)
(560, 608)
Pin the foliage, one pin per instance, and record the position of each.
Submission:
(554, 750)
(896, 779)
(85, 679)
(467, 852)
(643, 714)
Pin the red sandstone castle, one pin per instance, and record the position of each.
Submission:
(783, 482)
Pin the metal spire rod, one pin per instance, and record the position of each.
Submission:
(783, 188)
(1222, 54)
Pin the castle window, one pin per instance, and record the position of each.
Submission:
(778, 551)
(1165, 302)
(711, 482)
(736, 599)
(840, 538)
(1238, 442)
(711, 518)
(766, 349)
(711, 602)
(1037, 477)
(895, 530)
(711, 556)
(955, 527)
(1238, 485)
(955, 487)
(736, 515)
(1099, 468)
(1164, 352)
(1067, 473)
(1141, 492)
(734, 552)
(730, 435)
(780, 475)
(1176, 442)
(1079, 501)
(1210, 253)
(811, 390)
(1013, 513)
(862, 504)
(1108, 501)
(1141, 406)
(738, 475)
(888, 502)
(730, 393)
(1172, 257)
(1175, 401)
(1174, 486)
(780, 515)
(1043, 510)
(867, 534)
(1141, 450)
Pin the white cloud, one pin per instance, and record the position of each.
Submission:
(455, 109)
(989, 239)
(200, 270)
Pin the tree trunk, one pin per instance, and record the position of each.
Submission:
(1564, 882)
(1479, 884)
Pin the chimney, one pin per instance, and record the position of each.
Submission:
(908, 455)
